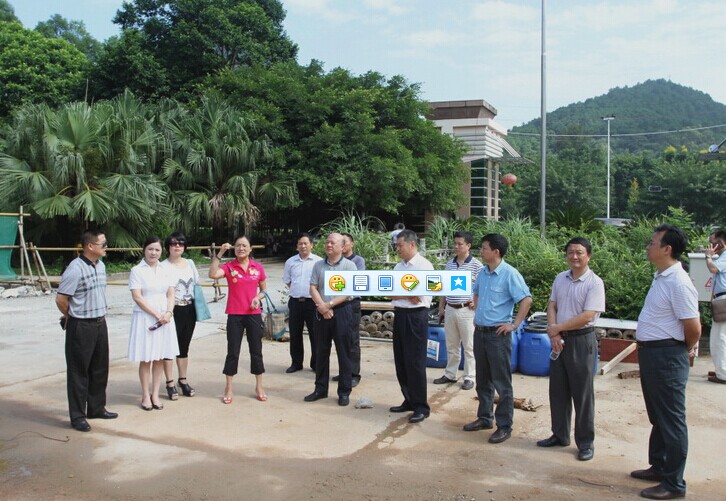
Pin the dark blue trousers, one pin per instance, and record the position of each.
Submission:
(493, 355)
(302, 313)
(663, 378)
(410, 336)
(328, 331)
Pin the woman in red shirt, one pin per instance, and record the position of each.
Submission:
(246, 280)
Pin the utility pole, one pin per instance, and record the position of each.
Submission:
(608, 119)
(543, 138)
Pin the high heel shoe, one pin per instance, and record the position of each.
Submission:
(158, 406)
(187, 390)
(145, 407)
(171, 390)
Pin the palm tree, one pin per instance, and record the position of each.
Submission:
(86, 165)
(215, 170)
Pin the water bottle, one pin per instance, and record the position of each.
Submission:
(554, 355)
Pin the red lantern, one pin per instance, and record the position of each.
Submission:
(509, 179)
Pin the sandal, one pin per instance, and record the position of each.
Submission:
(262, 397)
(187, 390)
(171, 390)
(227, 399)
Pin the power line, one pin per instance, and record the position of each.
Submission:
(631, 134)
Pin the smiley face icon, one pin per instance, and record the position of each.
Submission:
(337, 283)
(409, 282)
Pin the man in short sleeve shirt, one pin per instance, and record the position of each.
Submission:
(577, 299)
(716, 263)
(669, 326)
(82, 300)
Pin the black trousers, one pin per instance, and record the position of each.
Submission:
(410, 336)
(302, 313)
(355, 336)
(185, 319)
(328, 331)
(572, 382)
(663, 378)
(236, 326)
(493, 355)
(87, 366)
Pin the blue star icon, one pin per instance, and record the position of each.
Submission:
(458, 282)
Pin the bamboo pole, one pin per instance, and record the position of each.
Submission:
(24, 247)
(41, 267)
(37, 266)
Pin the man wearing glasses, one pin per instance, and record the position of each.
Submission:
(82, 300)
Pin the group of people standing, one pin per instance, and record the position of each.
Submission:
(483, 324)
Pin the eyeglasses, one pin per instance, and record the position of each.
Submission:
(102, 245)
(177, 243)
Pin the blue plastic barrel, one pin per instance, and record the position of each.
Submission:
(515, 348)
(534, 350)
(436, 348)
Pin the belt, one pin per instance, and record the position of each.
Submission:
(404, 310)
(719, 294)
(660, 343)
(485, 328)
(97, 320)
(577, 332)
(183, 302)
(302, 299)
(459, 305)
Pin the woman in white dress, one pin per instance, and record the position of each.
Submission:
(153, 333)
(185, 276)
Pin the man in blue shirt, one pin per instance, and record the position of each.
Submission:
(497, 289)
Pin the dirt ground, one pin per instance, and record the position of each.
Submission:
(199, 449)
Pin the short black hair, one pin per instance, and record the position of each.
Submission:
(496, 242)
(90, 237)
(399, 226)
(468, 238)
(242, 236)
(408, 236)
(580, 241)
(719, 235)
(675, 237)
(304, 234)
(179, 237)
(151, 240)
(348, 235)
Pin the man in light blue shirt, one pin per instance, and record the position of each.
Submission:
(497, 289)
(296, 276)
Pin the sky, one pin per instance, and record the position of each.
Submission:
(490, 49)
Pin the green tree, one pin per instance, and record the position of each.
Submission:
(85, 164)
(191, 39)
(7, 13)
(35, 69)
(73, 32)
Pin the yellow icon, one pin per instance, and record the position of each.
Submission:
(433, 283)
(409, 282)
(337, 283)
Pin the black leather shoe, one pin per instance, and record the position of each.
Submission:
(104, 415)
(293, 368)
(354, 382)
(401, 408)
(417, 417)
(343, 401)
(80, 424)
(444, 380)
(585, 454)
(651, 475)
(468, 384)
(551, 442)
(660, 492)
(500, 436)
(479, 424)
(314, 396)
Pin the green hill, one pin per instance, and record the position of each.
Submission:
(651, 106)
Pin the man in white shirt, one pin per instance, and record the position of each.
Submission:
(669, 326)
(410, 333)
(716, 263)
(296, 276)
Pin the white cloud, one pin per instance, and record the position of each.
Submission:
(393, 7)
(498, 11)
(321, 8)
(432, 38)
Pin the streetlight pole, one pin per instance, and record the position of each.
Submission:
(543, 136)
(608, 120)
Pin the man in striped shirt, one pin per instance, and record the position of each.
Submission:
(457, 312)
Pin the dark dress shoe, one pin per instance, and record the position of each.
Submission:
(651, 475)
(716, 379)
(444, 380)
(80, 424)
(660, 492)
(104, 415)
(585, 454)
(401, 408)
(468, 384)
(354, 382)
(479, 424)
(551, 442)
(500, 436)
(343, 400)
(314, 396)
(293, 368)
(417, 417)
